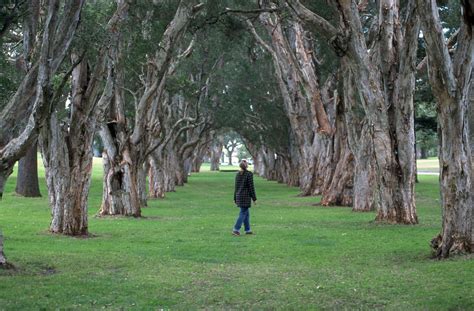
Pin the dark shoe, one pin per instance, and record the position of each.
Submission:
(236, 233)
(248, 232)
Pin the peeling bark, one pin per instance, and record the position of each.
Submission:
(3, 259)
(67, 147)
(126, 151)
(36, 87)
(340, 173)
(450, 80)
(384, 79)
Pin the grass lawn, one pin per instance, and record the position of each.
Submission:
(182, 256)
(428, 165)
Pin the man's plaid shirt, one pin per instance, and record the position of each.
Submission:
(244, 189)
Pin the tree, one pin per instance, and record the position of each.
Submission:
(66, 138)
(216, 152)
(27, 177)
(34, 96)
(231, 141)
(27, 183)
(3, 260)
(450, 81)
(383, 73)
(126, 150)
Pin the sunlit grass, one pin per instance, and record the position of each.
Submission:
(181, 255)
(428, 165)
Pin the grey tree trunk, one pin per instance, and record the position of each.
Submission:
(67, 179)
(3, 259)
(141, 179)
(471, 141)
(36, 87)
(126, 151)
(384, 77)
(450, 80)
(27, 184)
(295, 100)
(120, 189)
(67, 148)
(338, 185)
(360, 142)
(216, 153)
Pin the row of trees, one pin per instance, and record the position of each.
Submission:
(321, 93)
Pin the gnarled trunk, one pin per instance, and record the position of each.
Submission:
(364, 175)
(126, 151)
(67, 177)
(361, 146)
(120, 191)
(27, 184)
(156, 179)
(67, 149)
(450, 80)
(386, 94)
(340, 173)
(383, 74)
(32, 101)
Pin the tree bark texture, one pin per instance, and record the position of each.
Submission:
(198, 155)
(360, 143)
(312, 145)
(384, 79)
(67, 148)
(296, 105)
(27, 178)
(216, 153)
(162, 175)
(3, 259)
(33, 99)
(338, 185)
(450, 81)
(127, 150)
(27, 184)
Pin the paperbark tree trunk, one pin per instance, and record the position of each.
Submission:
(294, 98)
(27, 178)
(362, 149)
(157, 180)
(68, 180)
(216, 153)
(471, 141)
(198, 156)
(450, 80)
(120, 194)
(384, 77)
(340, 173)
(67, 149)
(3, 259)
(126, 151)
(36, 87)
(141, 178)
(27, 184)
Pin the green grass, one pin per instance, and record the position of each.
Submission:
(181, 255)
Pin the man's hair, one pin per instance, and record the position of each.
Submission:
(243, 165)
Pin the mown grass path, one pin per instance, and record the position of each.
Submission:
(182, 256)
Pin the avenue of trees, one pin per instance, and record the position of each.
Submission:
(335, 97)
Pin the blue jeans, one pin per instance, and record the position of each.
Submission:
(244, 217)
